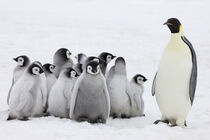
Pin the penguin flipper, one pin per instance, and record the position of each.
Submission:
(153, 85)
(193, 78)
(8, 96)
(110, 75)
(138, 103)
(107, 97)
(128, 92)
(74, 95)
(22, 102)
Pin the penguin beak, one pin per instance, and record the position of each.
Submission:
(15, 59)
(168, 23)
(114, 57)
(41, 71)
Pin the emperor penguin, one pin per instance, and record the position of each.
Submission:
(137, 90)
(90, 100)
(62, 59)
(106, 57)
(60, 94)
(50, 77)
(119, 90)
(175, 81)
(23, 94)
(23, 62)
(41, 100)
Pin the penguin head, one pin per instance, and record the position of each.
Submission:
(174, 25)
(139, 79)
(70, 72)
(35, 68)
(93, 67)
(22, 60)
(79, 57)
(106, 57)
(62, 54)
(49, 68)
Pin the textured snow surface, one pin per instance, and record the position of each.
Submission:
(129, 28)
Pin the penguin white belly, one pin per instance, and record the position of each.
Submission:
(172, 82)
(118, 96)
(57, 103)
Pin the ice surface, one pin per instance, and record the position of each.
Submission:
(129, 28)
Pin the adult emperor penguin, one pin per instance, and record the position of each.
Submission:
(90, 99)
(24, 92)
(175, 81)
(60, 95)
(62, 59)
(106, 57)
(23, 62)
(137, 89)
(119, 90)
(50, 77)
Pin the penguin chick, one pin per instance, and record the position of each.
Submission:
(62, 59)
(60, 94)
(119, 90)
(24, 92)
(81, 57)
(90, 99)
(78, 68)
(23, 62)
(137, 90)
(41, 100)
(106, 57)
(50, 77)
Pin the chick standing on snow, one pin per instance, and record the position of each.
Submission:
(90, 99)
(119, 90)
(137, 89)
(24, 92)
(22, 63)
(41, 101)
(60, 95)
(51, 79)
(62, 59)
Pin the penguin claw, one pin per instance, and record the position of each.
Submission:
(24, 119)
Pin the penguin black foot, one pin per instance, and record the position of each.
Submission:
(83, 119)
(143, 115)
(46, 114)
(185, 124)
(24, 119)
(123, 116)
(163, 121)
(114, 116)
(101, 120)
(174, 125)
(10, 118)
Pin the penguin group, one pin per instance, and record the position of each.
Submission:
(88, 91)
(82, 91)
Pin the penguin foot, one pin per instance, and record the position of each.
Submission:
(185, 124)
(174, 125)
(101, 120)
(10, 118)
(124, 116)
(46, 114)
(163, 121)
(83, 119)
(114, 116)
(143, 115)
(24, 119)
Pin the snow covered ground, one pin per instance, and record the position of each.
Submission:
(129, 28)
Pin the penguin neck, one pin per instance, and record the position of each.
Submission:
(175, 36)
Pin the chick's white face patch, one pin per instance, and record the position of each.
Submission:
(89, 70)
(140, 80)
(20, 61)
(108, 58)
(35, 70)
(51, 68)
(73, 74)
(68, 54)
